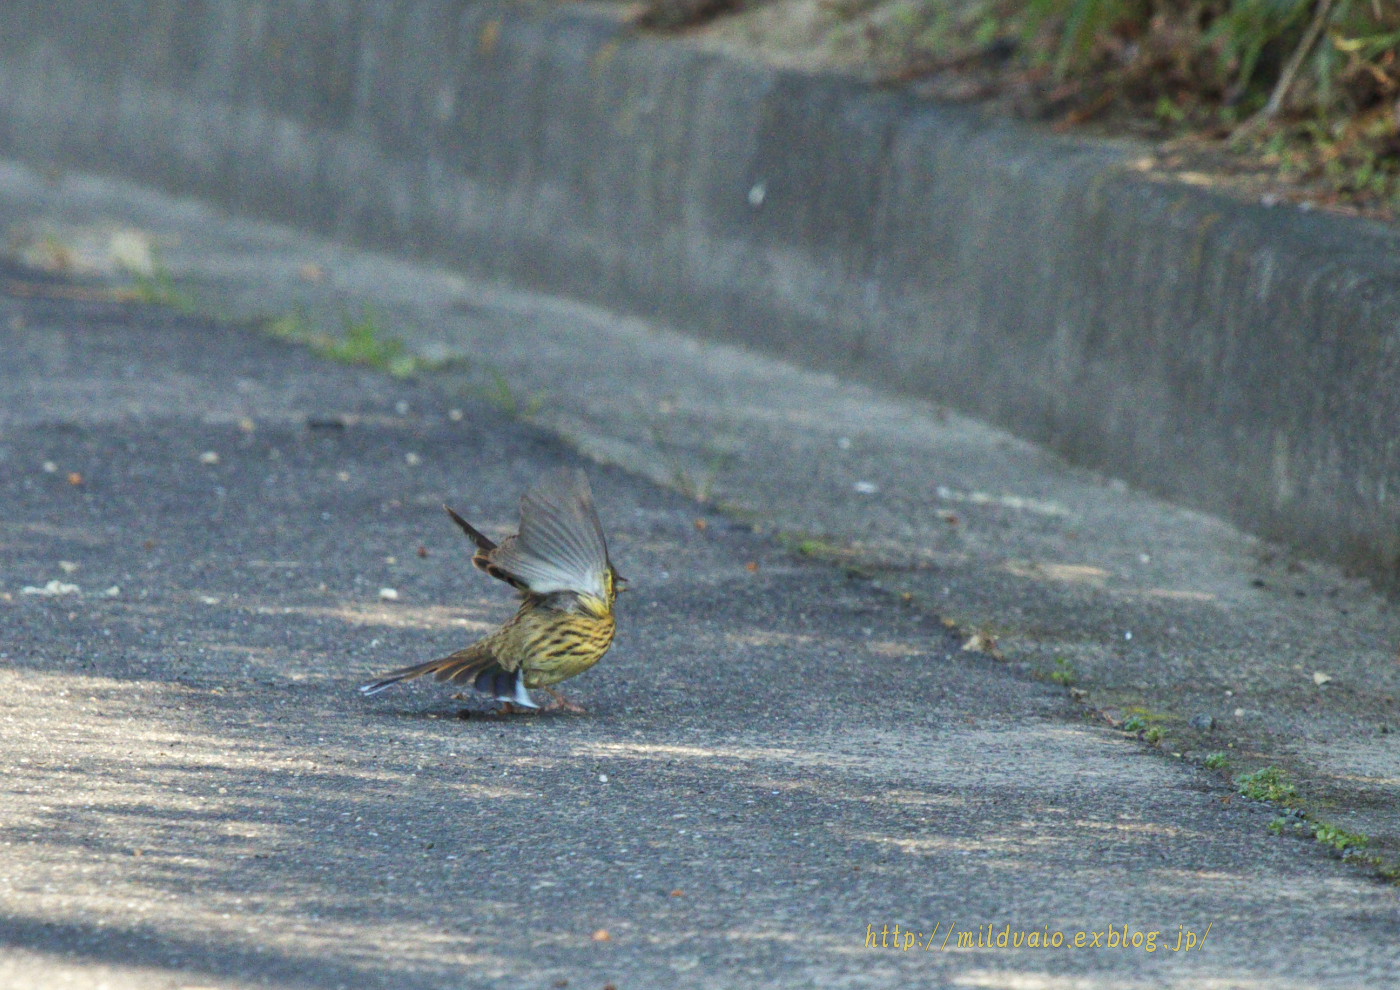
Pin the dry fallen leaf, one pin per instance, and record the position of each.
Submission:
(74, 478)
(751, 565)
(602, 935)
(983, 642)
(702, 524)
(490, 35)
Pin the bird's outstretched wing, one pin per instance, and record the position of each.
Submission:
(560, 546)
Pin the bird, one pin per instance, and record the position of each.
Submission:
(559, 564)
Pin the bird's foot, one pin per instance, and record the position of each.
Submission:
(562, 704)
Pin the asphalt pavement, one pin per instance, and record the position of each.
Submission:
(213, 535)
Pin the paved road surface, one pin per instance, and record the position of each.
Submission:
(781, 760)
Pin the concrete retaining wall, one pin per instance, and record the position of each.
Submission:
(1234, 358)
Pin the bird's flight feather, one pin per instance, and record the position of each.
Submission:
(561, 545)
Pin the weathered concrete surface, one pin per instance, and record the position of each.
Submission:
(782, 760)
(1232, 358)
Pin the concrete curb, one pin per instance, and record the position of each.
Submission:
(1234, 358)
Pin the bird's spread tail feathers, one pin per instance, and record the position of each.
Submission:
(474, 666)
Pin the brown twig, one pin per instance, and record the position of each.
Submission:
(1321, 15)
(78, 293)
(1085, 113)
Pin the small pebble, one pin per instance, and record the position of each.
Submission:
(52, 588)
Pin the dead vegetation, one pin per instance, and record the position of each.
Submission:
(1291, 99)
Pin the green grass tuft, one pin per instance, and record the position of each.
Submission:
(1267, 784)
(362, 340)
(1064, 673)
(157, 288)
(1339, 838)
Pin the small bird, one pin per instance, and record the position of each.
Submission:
(559, 564)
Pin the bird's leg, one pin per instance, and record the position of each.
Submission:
(562, 704)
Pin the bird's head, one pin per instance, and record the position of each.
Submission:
(614, 584)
